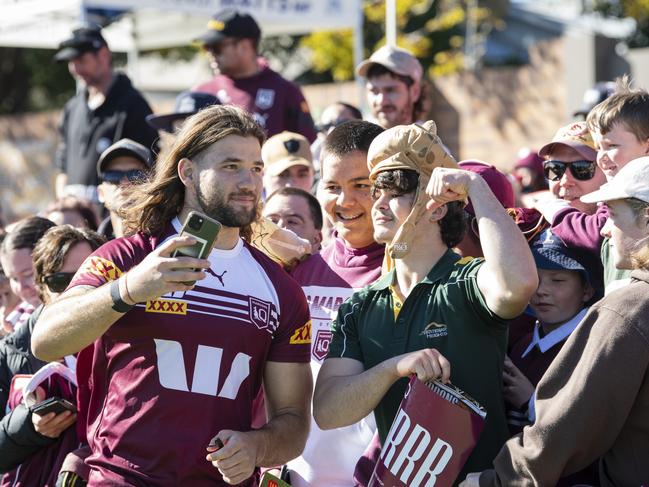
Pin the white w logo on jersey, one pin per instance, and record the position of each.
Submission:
(173, 375)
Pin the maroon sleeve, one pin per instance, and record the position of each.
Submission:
(111, 260)
(292, 339)
(580, 230)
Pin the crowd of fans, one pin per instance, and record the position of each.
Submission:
(352, 255)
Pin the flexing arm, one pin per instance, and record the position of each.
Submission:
(508, 277)
(83, 314)
(288, 388)
(345, 393)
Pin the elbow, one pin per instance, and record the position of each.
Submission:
(321, 415)
(41, 347)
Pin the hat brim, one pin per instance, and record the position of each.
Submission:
(363, 68)
(547, 258)
(165, 122)
(68, 53)
(210, 37)
(277, 168)
(605, 193)
(588, 153)
(120, 152)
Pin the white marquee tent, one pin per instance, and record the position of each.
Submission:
(152, 24)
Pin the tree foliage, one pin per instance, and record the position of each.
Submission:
(434, 30)
(636, 9)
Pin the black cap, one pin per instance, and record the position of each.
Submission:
(84, 39)
(187, 103)
(124, 147)
(230, 23)
(594, 96)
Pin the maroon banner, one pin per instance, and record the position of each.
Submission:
(433, 434)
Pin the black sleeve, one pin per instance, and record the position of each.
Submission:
(18, 438)
(136, 126)
(61, 154)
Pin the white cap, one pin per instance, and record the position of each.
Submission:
(631, 182)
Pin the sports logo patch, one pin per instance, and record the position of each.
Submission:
(321, 344)
(100, 267)
(259, 312)
(265, 98)
(167, 306)
(302, 335)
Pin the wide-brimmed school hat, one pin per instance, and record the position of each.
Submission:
(84, 39)
(631, 182)
(284, 150)
(229, 23)
(187, 103)
(551, 253)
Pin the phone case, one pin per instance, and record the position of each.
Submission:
(204, 230)
(53, 405)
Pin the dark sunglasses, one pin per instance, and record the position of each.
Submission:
(581, 170)
(59, 281)
(116, 177)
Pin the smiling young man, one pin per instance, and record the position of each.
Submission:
(433, 314)
(175, 364)
(349, 262)
(591, 402)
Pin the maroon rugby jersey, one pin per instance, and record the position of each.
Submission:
(275, 103)
(173, 372)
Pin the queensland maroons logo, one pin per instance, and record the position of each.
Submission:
(321, 344)
(259, 312)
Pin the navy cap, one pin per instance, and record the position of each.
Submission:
(594, 96)
(125, 147)
(230, 23)
(551, 253)
(187, 103)
(84, 39)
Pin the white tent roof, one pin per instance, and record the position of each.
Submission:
(165, 23)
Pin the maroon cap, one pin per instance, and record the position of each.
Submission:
(500, 185)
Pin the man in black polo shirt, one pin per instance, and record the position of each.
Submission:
(432, 314)
(107, 109)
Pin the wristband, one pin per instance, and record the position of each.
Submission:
(119, 304)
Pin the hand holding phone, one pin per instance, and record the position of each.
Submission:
(55, 405)
(204, 230)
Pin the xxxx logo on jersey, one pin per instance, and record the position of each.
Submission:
(100, 267)
(168, 306)
(302, 335)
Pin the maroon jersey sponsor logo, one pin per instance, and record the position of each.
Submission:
(207, 370)
(321, 345)
(168, 306)
(302, 335)
(100, 267)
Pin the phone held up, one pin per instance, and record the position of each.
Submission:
(204, 230)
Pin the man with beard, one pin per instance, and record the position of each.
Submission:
(176, 364)
(393, 87)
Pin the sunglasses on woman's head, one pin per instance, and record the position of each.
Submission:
(59, 281)
(580, 170)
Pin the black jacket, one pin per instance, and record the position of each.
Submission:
(86, 133)
(18, 438)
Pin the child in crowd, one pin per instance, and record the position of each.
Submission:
(559, 303)
(620, 127)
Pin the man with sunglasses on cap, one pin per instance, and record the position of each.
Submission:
(570, 167)
(37, 444)
(124, 163)
(242, 78)
(107, 109)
